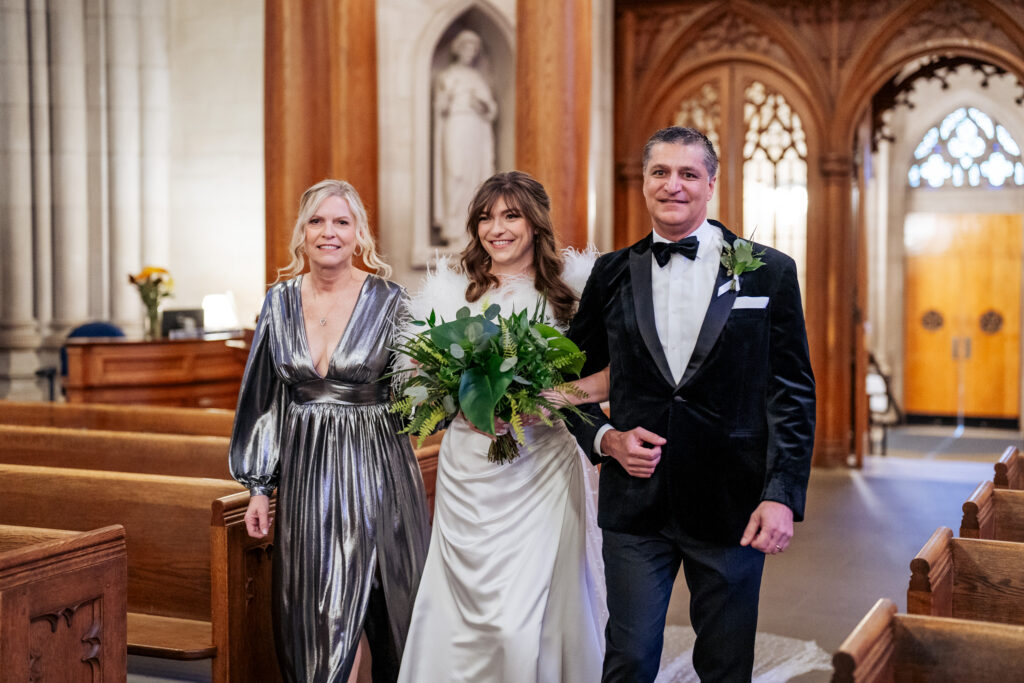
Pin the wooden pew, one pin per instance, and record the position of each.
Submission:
(994, 514)
(241, 596)
(968, 578)
(62, 604)
(1010, 470)
(188, 456)
(166, 521)
(886, 646)
(129, 418)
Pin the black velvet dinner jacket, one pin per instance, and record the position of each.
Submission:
(740, 423)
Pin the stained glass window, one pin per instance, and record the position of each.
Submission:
(967, 149)
(702, 110)
(775, 174)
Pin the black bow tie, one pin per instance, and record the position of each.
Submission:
(663, 250)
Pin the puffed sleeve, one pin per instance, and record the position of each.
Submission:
(255, 440)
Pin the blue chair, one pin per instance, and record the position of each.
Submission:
(94, 329)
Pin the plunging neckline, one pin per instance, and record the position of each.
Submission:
(344, 332)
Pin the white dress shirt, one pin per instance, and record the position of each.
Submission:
(681, 293)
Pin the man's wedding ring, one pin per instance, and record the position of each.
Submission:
(778, 548)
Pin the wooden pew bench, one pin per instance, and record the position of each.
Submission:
(886, 646)
(130, 418)
(968, 578)
(167, 527)
(994, 514)
(187, 456)
(62, 604)
(1009, 470)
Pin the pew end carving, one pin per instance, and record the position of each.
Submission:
(993, 514)
(968, 578)
(62, 604)
(1009, 470)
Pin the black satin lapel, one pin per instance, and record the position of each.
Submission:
(643, 302)
(714, 321)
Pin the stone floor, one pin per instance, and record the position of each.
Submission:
(862, 529)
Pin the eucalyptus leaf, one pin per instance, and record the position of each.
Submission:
(474, 331)
(509, 363)
(492, 311)
(456, 351)
(417, 393)
(462, 313)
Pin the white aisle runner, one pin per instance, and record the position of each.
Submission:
(776, 658)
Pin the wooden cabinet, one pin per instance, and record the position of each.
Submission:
(203, 373)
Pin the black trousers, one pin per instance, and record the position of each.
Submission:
(724, 583)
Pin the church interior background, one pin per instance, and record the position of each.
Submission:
(860, 137)
(878, 142)
(853, 136)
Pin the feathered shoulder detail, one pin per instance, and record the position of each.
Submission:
(442, 290)
(577, 266)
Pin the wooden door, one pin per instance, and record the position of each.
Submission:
(962, 315)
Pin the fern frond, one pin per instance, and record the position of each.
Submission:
(517, 422)
(434, 418)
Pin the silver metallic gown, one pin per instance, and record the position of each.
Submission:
(350, 495)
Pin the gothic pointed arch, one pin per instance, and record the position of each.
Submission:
(976, 29)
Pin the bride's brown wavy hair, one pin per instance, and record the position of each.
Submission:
(526, 195)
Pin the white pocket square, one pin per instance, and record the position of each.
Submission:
(750, 302)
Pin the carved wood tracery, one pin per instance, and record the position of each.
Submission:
(83, 621)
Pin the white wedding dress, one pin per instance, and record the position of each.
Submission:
(513, 587)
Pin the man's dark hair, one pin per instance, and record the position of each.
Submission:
(684, 136)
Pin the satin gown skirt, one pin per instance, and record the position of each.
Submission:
(506, 594)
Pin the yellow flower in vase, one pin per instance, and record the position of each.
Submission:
(154, 285)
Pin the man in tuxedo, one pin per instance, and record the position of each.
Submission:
(707, 451)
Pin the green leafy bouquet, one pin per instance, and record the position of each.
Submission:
(488, 366)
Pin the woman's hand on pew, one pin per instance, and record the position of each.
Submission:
(257, 517)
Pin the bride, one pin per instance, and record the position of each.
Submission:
(513, 588)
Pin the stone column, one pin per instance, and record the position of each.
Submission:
(70, 167)
(18, 327)
(553, 81)
(155, 121)
(42, 199)
(124, 154)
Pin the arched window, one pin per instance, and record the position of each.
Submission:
(773, 146)
(775, 174)
(967, 149)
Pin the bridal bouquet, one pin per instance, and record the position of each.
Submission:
(489, 367)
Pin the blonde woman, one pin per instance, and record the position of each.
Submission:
(313, 423)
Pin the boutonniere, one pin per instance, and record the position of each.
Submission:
(738, 259)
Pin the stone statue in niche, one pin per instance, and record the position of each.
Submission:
(464, 113)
